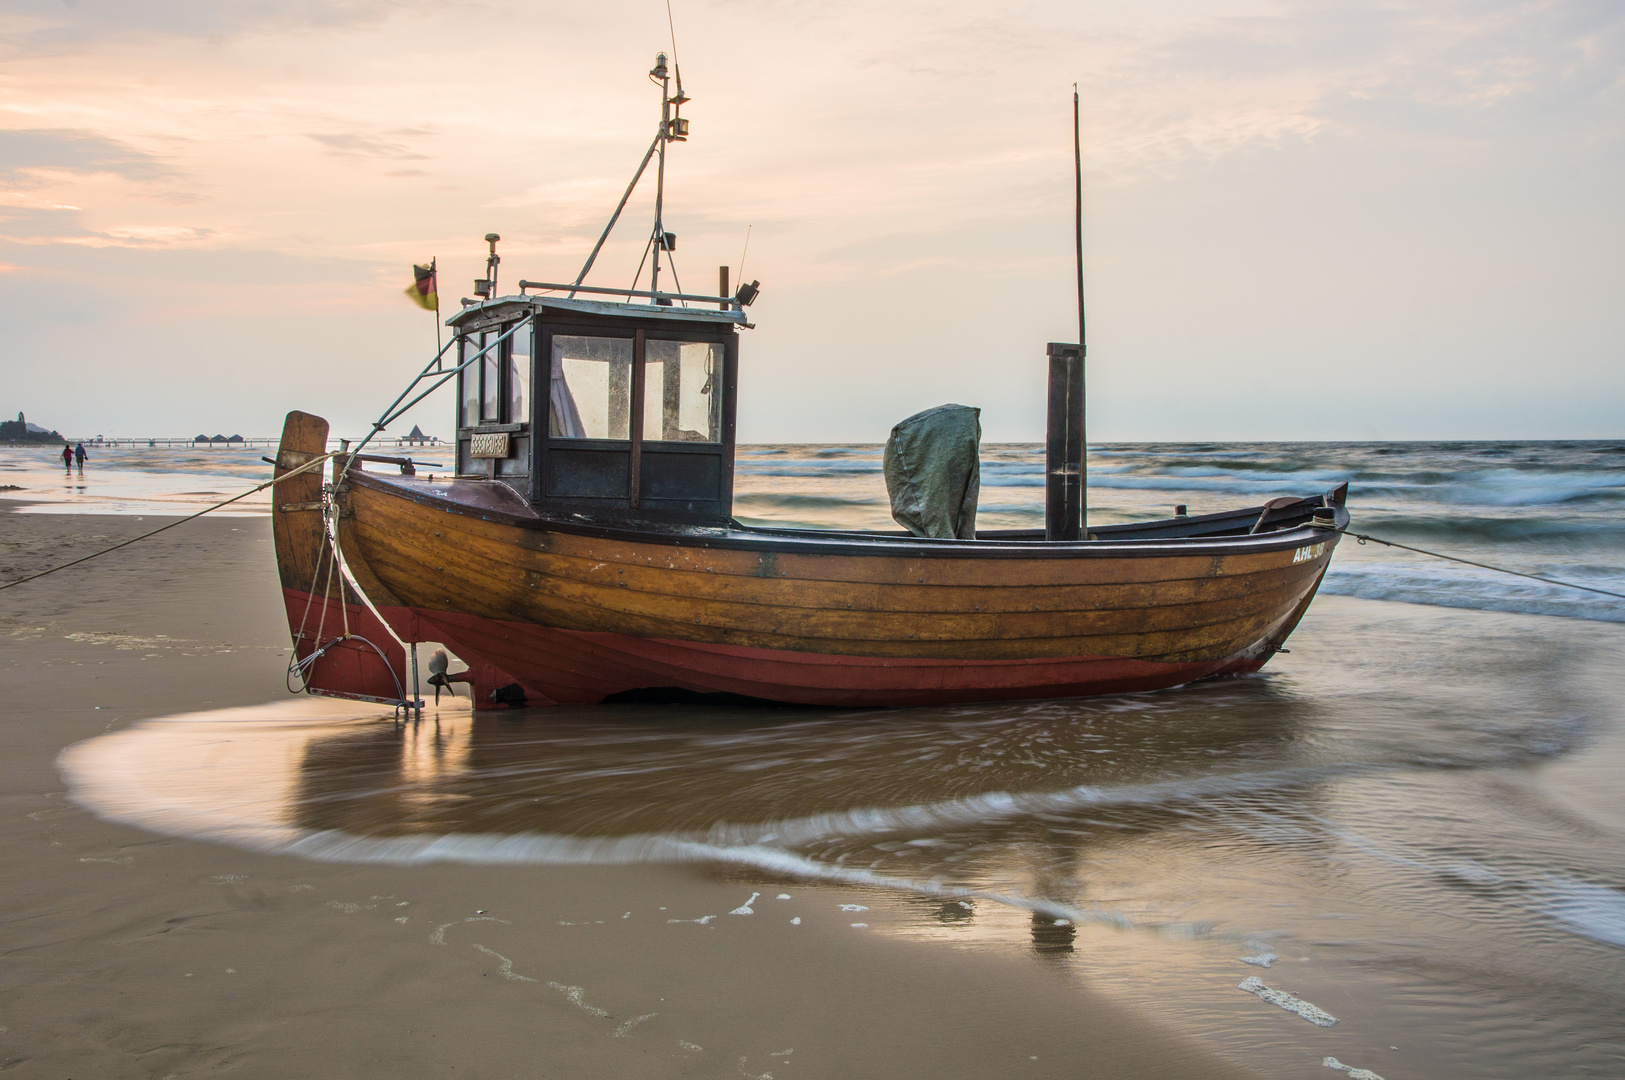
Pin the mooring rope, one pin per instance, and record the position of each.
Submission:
(1485, 566)
(306, 467)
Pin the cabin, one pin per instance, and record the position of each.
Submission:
(601, 409)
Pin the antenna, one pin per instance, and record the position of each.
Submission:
(676, 66)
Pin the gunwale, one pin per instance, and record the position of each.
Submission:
(495, 501)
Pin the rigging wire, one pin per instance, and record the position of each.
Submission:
(179, 521)
(646, 249)
(1362, 538)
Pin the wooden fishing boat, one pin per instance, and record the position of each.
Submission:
(584, 548)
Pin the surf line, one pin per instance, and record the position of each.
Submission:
(306, 467)
(1485, 566)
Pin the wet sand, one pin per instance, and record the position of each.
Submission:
(134, 955)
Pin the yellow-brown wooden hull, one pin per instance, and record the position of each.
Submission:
(577, 615)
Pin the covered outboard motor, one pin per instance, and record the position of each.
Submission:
(933, 472)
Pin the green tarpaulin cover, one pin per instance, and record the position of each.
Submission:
(933, 472)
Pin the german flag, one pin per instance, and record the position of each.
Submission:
(422, 290)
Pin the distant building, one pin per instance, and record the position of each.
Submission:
(416, 438)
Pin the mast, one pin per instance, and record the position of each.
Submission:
(659, 72)
(673, 128)
(1083, 341)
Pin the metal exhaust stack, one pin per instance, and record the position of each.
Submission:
(1063, 461)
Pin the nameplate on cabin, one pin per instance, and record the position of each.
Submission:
(489, 445)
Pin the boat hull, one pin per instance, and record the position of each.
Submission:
(581, 667)
(574, 615)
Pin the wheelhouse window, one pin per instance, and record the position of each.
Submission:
(590, 389)
(682, 396)
(639, 417)
(496, 385)
(472, 344)
(519, 348)
(491, 382)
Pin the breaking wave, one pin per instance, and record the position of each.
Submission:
(1481, 590)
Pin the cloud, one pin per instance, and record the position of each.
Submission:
(1450, 69)
(353, 144)
(42, 225)
(161, 269)
(157, 235)
(25, 152)
(50, 27)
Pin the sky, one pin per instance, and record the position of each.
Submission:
(1315, 220)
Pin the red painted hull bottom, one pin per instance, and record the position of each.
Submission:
(572, 667)
(368, 665)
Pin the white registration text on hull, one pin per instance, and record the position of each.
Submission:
(1312, 551)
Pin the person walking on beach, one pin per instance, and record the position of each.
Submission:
(67, 457)
(79, 455)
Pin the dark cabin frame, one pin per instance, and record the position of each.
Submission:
(605, 480)
(516, 467)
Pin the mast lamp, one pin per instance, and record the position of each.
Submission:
(488, 287)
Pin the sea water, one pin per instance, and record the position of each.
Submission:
(1413, 823)
(1553, 509)
(1545, 508)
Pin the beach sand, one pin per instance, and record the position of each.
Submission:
(133, 955)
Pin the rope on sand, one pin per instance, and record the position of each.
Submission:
(1486, 566)
(307, 466)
